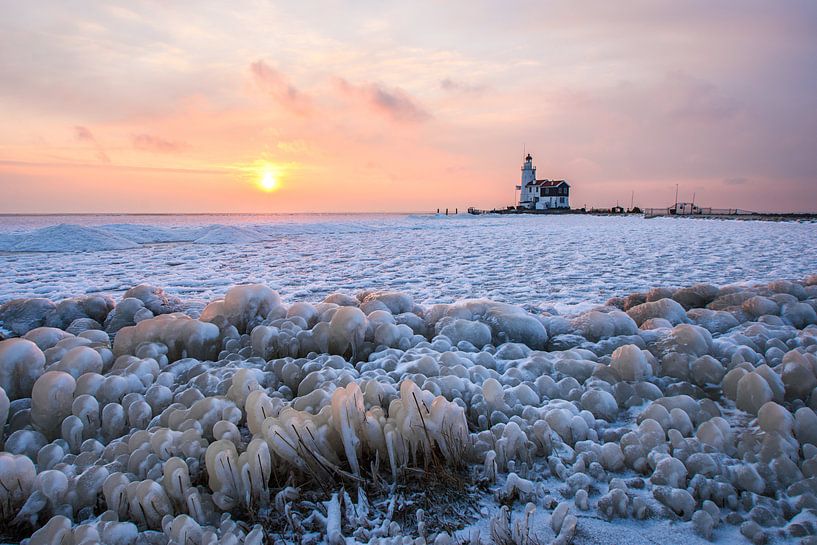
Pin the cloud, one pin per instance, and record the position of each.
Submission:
(135, 168)
(394, 102)
(148, 142)
(276, 85)
(693, 98)
(736, 181)
(448, 84)
(84, 134)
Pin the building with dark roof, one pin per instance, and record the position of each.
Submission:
(541, 194)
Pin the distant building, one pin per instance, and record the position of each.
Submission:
(684, 208)
(541, 194)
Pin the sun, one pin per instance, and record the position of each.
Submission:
(268, 182)
(263, 175)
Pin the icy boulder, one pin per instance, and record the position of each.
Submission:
(508, 323)
(21, 363)
(476, 333)
(696, 296)
(602, 404)
(512, 324)
(124, 314)
(805, 426)
(774, 418)
(799, 314)
(22, 315)
(183, 336)
(630, 363)
(760, 306)
(51, 400)
(686, 339)
(753, 392)
(94, 307)
(798, 375)
(667, 309)
(155, 299)
(670, 471)
(46, 337)
(19, 471)
(715, 321)
(79, 360)
(706, 370)
(80, 325)
(243, 306)
(396, 302)
(347, 330)
(596, 325)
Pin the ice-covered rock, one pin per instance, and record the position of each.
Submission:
(753, 391)
(22, 315)
(155, 299)
(21, 363)
(666, 309)
(602, 404)
(630, 363)
(703, 524)
(181, 335)
(706, 370)
(670, 471)
(243, 306)
(476, 333)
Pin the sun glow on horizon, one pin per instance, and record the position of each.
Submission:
(268, 181)
(266, 176)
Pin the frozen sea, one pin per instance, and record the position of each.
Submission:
(565, 262)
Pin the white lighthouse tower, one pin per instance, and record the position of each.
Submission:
(528, 179)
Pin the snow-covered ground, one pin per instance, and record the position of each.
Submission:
(374, 400)
(525, 260)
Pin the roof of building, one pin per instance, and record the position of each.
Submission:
(550, 183)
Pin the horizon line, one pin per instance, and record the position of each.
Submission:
(327, 213)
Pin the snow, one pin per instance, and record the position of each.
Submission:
(569, 263)
(375, 379)
(65, 238)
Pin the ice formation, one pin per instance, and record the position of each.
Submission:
(132, 422)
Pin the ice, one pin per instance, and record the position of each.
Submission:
(229, 234)
(333, 405)
(429, 259)
(66, 238)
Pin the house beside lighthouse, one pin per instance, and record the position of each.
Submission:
(541, 194)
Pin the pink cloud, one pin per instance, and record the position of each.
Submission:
(276, 85)
(149, 142)
(84, 134)
(394, 102)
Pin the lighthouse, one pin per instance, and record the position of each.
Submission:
(528, 171)
(541, 194)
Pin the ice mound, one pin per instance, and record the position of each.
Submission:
(314, 420)
(67, 238)
(152, 234)
(229, 234)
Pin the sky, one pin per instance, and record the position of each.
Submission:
(327, 106)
